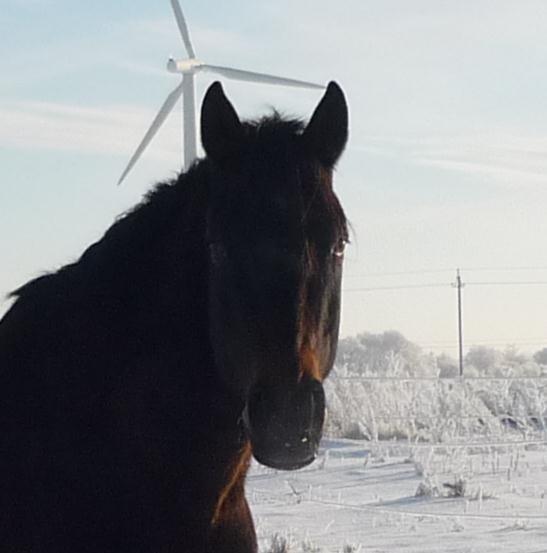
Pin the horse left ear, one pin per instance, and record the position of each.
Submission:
(221, 129)
(327, 132)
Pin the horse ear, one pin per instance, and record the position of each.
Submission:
(327, 132)
(221, 129)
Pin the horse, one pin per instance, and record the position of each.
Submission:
(137, 382)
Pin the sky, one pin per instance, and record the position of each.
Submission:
(446, 166)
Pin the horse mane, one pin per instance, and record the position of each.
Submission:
(174, 204)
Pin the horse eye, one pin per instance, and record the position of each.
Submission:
(217, 252)
(339, 248)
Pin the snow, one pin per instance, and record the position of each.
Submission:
(361, 496)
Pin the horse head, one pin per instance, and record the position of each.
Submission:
(276, 235)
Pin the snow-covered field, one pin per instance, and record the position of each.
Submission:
(437, 463)
(395, 497)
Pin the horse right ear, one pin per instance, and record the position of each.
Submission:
(221, 129)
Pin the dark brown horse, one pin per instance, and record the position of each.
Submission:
(137, 382)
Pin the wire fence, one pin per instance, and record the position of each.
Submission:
(426, 411)
(443, 380)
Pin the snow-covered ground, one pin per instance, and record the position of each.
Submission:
(439, 464)
(392, 497)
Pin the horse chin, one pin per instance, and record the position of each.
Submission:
(284, 462)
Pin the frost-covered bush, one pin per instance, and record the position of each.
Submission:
(487, 361)
(421, 411)
(278, 544)
(384, 387)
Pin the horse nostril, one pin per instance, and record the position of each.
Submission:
(304, 439)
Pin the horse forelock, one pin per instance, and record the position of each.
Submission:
(274, 128)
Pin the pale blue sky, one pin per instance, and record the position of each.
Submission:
(446, 166)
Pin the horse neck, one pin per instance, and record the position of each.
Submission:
(151, 265)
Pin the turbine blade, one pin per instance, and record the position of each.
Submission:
(241, 75)
(183, 28)
(154, 127)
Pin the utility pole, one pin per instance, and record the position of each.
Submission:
(459, 285)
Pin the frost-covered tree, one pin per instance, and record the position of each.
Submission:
(512, 357)
(448, 366)
(383, 354)
(485, 359)
(540, 357)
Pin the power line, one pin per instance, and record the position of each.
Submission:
(459, 285)
(446, 285)
(402, 287)
(397, 273)
(509, 283)
(450, 270)
(520, 268)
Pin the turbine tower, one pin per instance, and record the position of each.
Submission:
(188, 68)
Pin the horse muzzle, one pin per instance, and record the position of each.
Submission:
(285, 424)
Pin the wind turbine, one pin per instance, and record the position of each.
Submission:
(188, 68)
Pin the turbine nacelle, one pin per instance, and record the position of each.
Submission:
(188, 65)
